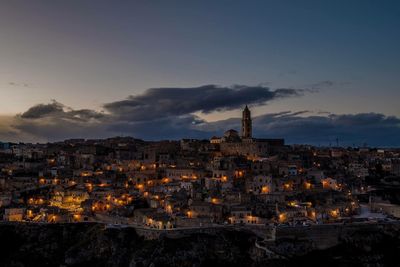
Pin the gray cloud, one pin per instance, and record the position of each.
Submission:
(57, 110)
(326, 84)
(162, 102)
(43, 110)
(169, 114)
(371, 128)
(19, 84)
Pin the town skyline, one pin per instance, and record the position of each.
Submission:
(55, 115)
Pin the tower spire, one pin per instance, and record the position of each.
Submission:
(246, 123)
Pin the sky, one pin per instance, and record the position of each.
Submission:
(311, 71)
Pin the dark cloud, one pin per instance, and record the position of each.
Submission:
(161, 102)
(157, 113)
(169, 113)
(175, 127)
(351, 129)
(57, 110)
(56, 130)
(43, 110)
(55, 121)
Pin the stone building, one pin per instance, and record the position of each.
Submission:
(245, 145)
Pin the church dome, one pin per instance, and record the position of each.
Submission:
(231, 136)
(231, 133)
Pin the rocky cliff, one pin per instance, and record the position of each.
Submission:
(90, 244)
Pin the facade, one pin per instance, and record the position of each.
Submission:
(14, 214)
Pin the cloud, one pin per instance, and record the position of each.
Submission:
(19, 84)
(56, 130)
(351, 129)
(326, 84)
(169, 113)
(56, 110)
(55, 121)
(175, 127)
(163, 102)
(43, 110)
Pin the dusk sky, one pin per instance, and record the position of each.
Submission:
(310, 71)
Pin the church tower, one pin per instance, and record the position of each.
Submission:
(246, 123)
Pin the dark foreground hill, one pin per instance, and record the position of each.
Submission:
(90, 244)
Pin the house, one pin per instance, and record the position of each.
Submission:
(243, 215)
(14, 214)
(153, 218)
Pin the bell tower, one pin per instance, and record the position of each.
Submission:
(246, 123)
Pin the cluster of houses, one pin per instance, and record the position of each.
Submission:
(234, 179)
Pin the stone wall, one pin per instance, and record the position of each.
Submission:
(328, 235)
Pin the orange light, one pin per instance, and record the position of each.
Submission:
(85, 174)
(265, 189)
(282, 217)
(313, 215)
(287, 186)
(334, 213)
(307, 185)
(140, 186)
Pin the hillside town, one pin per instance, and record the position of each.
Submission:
(233, 179)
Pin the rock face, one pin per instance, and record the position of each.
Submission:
(90, 244)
